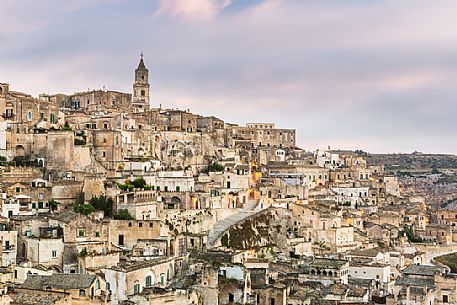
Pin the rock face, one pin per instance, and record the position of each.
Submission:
(222, 226)
(248, 230)
(178, 150)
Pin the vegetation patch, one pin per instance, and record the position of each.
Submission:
(449, 260)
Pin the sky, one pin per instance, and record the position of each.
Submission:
(376, 75)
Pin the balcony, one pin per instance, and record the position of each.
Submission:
(9, 248)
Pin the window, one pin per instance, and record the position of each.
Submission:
(97, 234)
(108, 287)
(136, 289)
(81, 232)
(29, 115)
(82, 292)
(9, 113)
(52, 118)
(54, 253)
(148, 281)
(121, 240)
(143, 92)
(177, 188)
(18, 189)
(140, 224)
(445, 299)
(104, 154)
(106, 127)
(40, 204)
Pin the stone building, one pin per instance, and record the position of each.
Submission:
(260, 134)
(99, 100)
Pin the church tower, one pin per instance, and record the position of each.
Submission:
(140, 101)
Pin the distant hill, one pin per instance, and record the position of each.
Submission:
(413, 162)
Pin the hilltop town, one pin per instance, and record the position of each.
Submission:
(107, 198)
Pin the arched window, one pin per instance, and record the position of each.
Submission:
(148, 281)
(136, 288)
(29, 115)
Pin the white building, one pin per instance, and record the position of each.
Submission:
(377, 272)
(9, 247)
(44, 251)
(172, 181)
(3, 139)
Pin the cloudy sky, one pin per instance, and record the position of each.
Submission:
(377, 75)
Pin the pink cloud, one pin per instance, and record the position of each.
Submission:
(192, 9)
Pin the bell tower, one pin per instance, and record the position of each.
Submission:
(140, 100)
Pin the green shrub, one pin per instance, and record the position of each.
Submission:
(80, 141)
(123, 215)
(103, 203)
(84, 209)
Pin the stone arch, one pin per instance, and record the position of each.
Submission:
(175, 202)
(20, 151)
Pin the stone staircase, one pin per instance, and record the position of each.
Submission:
(225, 224)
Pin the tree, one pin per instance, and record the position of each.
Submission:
(103, 203)
(53, 205)
(215, 167)
(139, 182)
(84, 209)
(123, 215)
